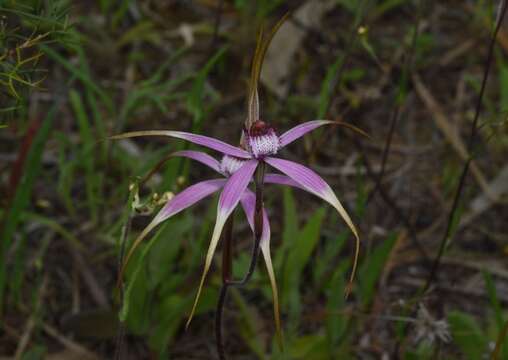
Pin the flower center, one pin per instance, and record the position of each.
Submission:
(229, 164)
(262, 139)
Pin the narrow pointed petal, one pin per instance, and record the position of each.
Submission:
(229, 198)
(314, 184)
(179, 202)
(249, 203)
(193, 138)
(280, 179)
(201, 157)
(302, 129)
(265, 250)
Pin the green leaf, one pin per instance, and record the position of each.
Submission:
(80, 74)
(503, 84)
(196, 95)
(309, 347)
(87, 156)
(21, 199)
(494, 300)
(138, 276)
(422, 352)
(326, 87)
(142, 30)
(290, 230)
(467, 335)
(328, 256)
(371, 269)
(336, 323)
(250, 324)
(496, 307)
(298, 258)
(169, 318)
(36, 352)
(162, 259)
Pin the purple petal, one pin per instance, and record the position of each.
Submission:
(300, 174)
(229, 198)
(235, 186)
(202, 157)
(189, 197)
(248, 201)
(265, 250)
(300, 130)
(177, 203)
(249, 204)
(314, 184)
(194, 138)
(281, 180)
(311, 182)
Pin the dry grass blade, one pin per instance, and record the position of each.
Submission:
(450, 134)
(498, 187)
(499, 342)
(32, 321)
(71, 345)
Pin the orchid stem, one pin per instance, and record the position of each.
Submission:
(227, 266)
(227, 251)
(219, 314)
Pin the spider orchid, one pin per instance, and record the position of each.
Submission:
(259, 146)
(238, 166)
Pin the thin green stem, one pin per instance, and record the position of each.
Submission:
(227, 265)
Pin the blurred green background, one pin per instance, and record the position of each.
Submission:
(74, 72)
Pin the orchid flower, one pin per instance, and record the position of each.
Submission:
(260, 145)
(238, 166)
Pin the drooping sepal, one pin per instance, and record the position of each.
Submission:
(313, 183)
(206, 141)
(229, 198)
(249, 204)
